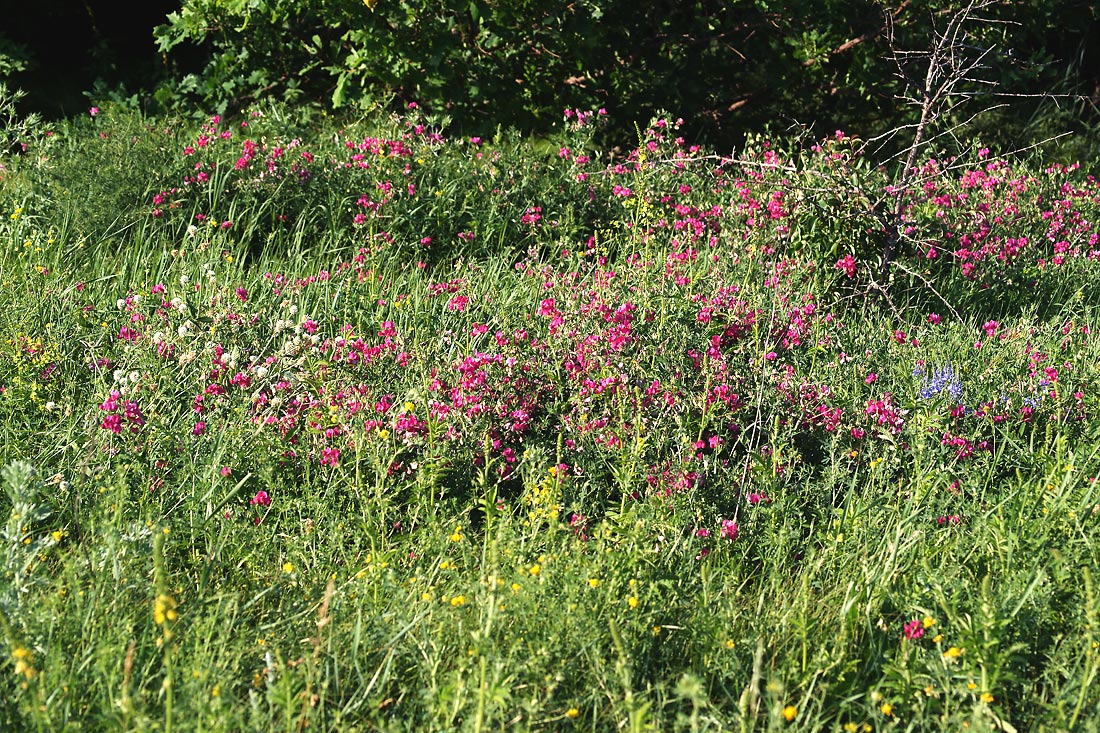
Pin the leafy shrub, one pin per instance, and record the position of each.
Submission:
(731, 68)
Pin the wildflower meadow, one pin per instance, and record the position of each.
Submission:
(353, 425)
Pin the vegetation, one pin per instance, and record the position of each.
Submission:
(362, 425)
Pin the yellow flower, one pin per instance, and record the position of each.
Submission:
(456, 536)
(593, 582)
(953, 653)
(409, 407)
(850, 728)
(632, 601)
(928, 622)
(516, 587)
(164, 609)
(887, 709)
(729, 643)
(535, 569)
(288, 567)
(790, 713)
(572, 712)
(458, 601)
(986, 698)
(370, 4)
(23, 662)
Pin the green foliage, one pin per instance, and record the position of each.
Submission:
(653, 459)
(731, 67)
(14, 58)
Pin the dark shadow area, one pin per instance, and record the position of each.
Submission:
(72, 47)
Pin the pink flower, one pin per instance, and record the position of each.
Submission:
(226, 471)
(729, 529)
(93, 111)
(199, 429)
(330, 457)
(914, 629)
(847, 264)
(262, 498)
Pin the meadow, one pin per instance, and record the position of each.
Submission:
(355, 425)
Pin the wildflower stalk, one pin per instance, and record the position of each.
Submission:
(164, 612)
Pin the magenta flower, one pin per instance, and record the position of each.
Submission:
(914, 629)
(330, 457)
(729, 529)
(262, 498)
(847, 264)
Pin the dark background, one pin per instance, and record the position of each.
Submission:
(729, 68)
(74, 45)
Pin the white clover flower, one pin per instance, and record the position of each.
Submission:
(158, 337)
(134, 376)
(119, 375)
(121, 303)
(177, 302)
(184, 280)
(261, 372)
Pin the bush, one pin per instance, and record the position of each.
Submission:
(729, 67)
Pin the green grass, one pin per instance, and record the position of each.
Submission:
(523, 529)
